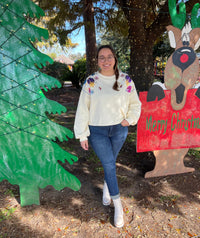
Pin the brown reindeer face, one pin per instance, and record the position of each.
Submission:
(182, 67)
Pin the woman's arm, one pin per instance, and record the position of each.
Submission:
(134, 106)
(81, 128)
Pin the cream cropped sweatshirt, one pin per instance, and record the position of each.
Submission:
(100, 105)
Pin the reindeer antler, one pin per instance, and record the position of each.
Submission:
(178, 19)
(195, 21)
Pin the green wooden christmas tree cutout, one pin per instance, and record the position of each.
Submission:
(28, 155)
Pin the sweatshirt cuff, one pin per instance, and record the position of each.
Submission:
(130, 121)
(83, 139)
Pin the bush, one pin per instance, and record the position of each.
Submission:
(61, 72)
(57, 70)
(78, 73)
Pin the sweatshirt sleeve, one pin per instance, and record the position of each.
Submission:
(81, 128)
(134, 105)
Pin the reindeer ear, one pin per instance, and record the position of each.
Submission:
(197, 45)
(196, 37)
(174, 35)
(172, 39)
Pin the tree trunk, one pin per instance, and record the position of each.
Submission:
(141, 56)
(144, 29)
(90, 37)
(141, 70)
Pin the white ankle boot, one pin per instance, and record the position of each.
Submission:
(118, 216)
(106, 195)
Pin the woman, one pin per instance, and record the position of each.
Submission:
(108, 104)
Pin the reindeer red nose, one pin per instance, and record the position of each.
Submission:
(184, 58)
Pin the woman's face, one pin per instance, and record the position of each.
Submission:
(106, 61)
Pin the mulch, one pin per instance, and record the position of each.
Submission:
(156, 207)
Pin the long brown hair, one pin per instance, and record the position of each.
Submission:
(116, 70)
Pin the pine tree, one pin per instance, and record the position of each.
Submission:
(29, 154)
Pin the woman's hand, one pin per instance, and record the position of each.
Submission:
(125, 123)
(84, 144)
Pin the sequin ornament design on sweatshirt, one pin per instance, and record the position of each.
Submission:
(128, 84)
(90, 82)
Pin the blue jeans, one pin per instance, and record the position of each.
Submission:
(106, 142)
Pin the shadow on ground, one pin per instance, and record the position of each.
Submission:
(149, 204)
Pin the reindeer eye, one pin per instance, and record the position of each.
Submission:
(185, 43)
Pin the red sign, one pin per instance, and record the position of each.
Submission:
(160, 127)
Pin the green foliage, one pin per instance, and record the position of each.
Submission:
(78, 73)
(53, 55)
(143, 22)
(63, 73)
(162, 47)
(80, 67)
(106, 14)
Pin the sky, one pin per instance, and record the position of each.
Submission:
(78, 37)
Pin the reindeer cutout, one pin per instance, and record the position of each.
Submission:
(181, 74)
(182, 67)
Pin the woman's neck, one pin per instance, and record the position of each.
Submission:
(107, 73)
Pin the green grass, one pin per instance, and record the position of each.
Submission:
(194, 152)
(122, 178)
(99, 169)
(6, 213)
(131, 137)
(9, 193)
(168, 198)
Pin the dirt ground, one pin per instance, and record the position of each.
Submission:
(156, 207)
